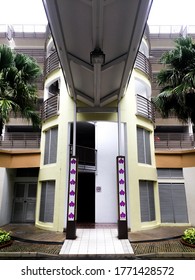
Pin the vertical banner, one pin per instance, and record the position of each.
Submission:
(72, 199)
(122, 204)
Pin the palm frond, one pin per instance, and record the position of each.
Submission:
(18, 92)
(177, 81)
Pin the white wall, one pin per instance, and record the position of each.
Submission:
(6, 195)
(189, 176)
(107, 151)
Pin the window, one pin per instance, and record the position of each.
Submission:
(51, 139)
(147, 205)
(176, 173)
(143, 145)
(173, 205)
(47, 201)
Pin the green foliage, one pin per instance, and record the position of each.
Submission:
(177, 80)
(4, 236)
(189, 236)
(18, 93)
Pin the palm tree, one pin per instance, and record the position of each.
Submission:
(177, 81)
(18, 93)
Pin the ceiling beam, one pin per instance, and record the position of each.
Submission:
(80, 62)
(115, 61)
(97, 110)
(84, 98)
(97, 23)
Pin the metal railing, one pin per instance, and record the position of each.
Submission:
(50, 107)
(87, 157)
(52, 63)
(174, 141)
(159, 116)
(171, 31)
(143, 64)
(145, 108)
(26, 140)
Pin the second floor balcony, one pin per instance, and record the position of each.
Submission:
(174, 141)
(87, 157)
(145, 108)
(142, 63)
(52, 62)
(50, 107)
(20, 140)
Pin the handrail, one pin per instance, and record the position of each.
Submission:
(143, 64)
(52, 63)
(86, 156)
(145, 108)
(163, 140)
(21, 140)
(50, 107)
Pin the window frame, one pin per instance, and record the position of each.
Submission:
(143, 146)
(147, 201)
(51, 145)
(47, 199)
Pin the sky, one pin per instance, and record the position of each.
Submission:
(22, 12)
(163, 12)
(172, 12)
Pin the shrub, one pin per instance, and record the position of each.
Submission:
(189, 236)
(4, 236)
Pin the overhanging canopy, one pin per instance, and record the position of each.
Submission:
(97, 43)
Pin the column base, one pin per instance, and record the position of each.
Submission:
(71, 230)
(122, 230)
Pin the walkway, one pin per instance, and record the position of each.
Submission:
(96, 241)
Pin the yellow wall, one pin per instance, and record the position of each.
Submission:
(137, 171)
(57, 171)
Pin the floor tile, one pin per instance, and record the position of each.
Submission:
(97, 241)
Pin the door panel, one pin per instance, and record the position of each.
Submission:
(30, 212)
(24, 202)
(18, 210)
(86, 198)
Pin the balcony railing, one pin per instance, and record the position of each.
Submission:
(142, 63)
(145, 108)
(86, 157)
(52, 63)
(174, 141)
(26, 140)
(50, 107)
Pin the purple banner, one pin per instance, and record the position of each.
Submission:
(121, 188)
(72, 189)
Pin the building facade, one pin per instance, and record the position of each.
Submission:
(20, 142)
(97, 148)
(100, 167)
(174, 144)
